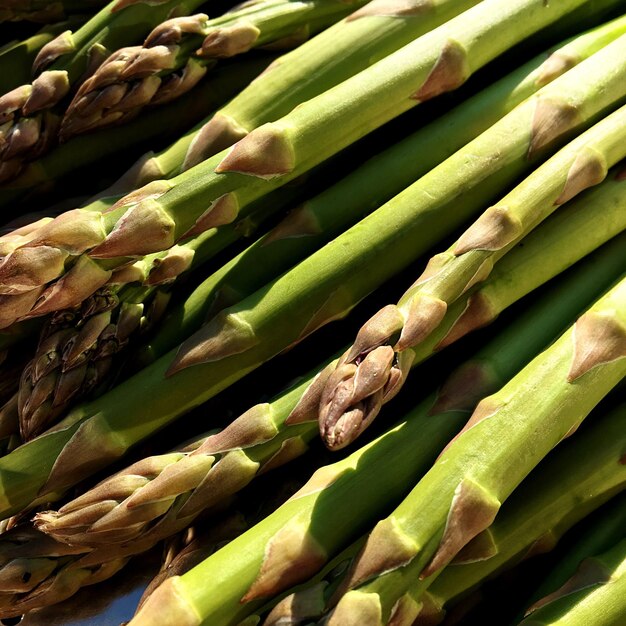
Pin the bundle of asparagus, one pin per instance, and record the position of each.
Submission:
(315, 193)
(288, 546)
(368, 185)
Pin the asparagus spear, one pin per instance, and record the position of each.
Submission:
(407, 228)
(56, 563)
(606, 530)
(596, 594)
(45, 10)
(345, 411)
(219, 189)
(507, 435)
(295, 542)
(571, 483)
(180, 552)
(78, 347)
(177, 54)
(27, 113)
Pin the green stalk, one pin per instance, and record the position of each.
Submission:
(325, 216)
(607, 529)
(219, 189)
(346, 412)
(596, 594)
(171, 120)
(332, 510)
(570, 484)
(340, 274)
(36, 571)
(30, 113)
(508, 434)
(178, 53)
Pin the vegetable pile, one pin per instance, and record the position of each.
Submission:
(234, 236)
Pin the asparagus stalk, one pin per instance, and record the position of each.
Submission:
(78, 347)
(564, 489)
(295, 542)
(596, 594)
(168, 121)
(162, 212)
(321, 218)
(606, 530)
(28, 113)
(178, 53)
(328, 274)
(345, 411)
(508, 434)
(45, 10)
